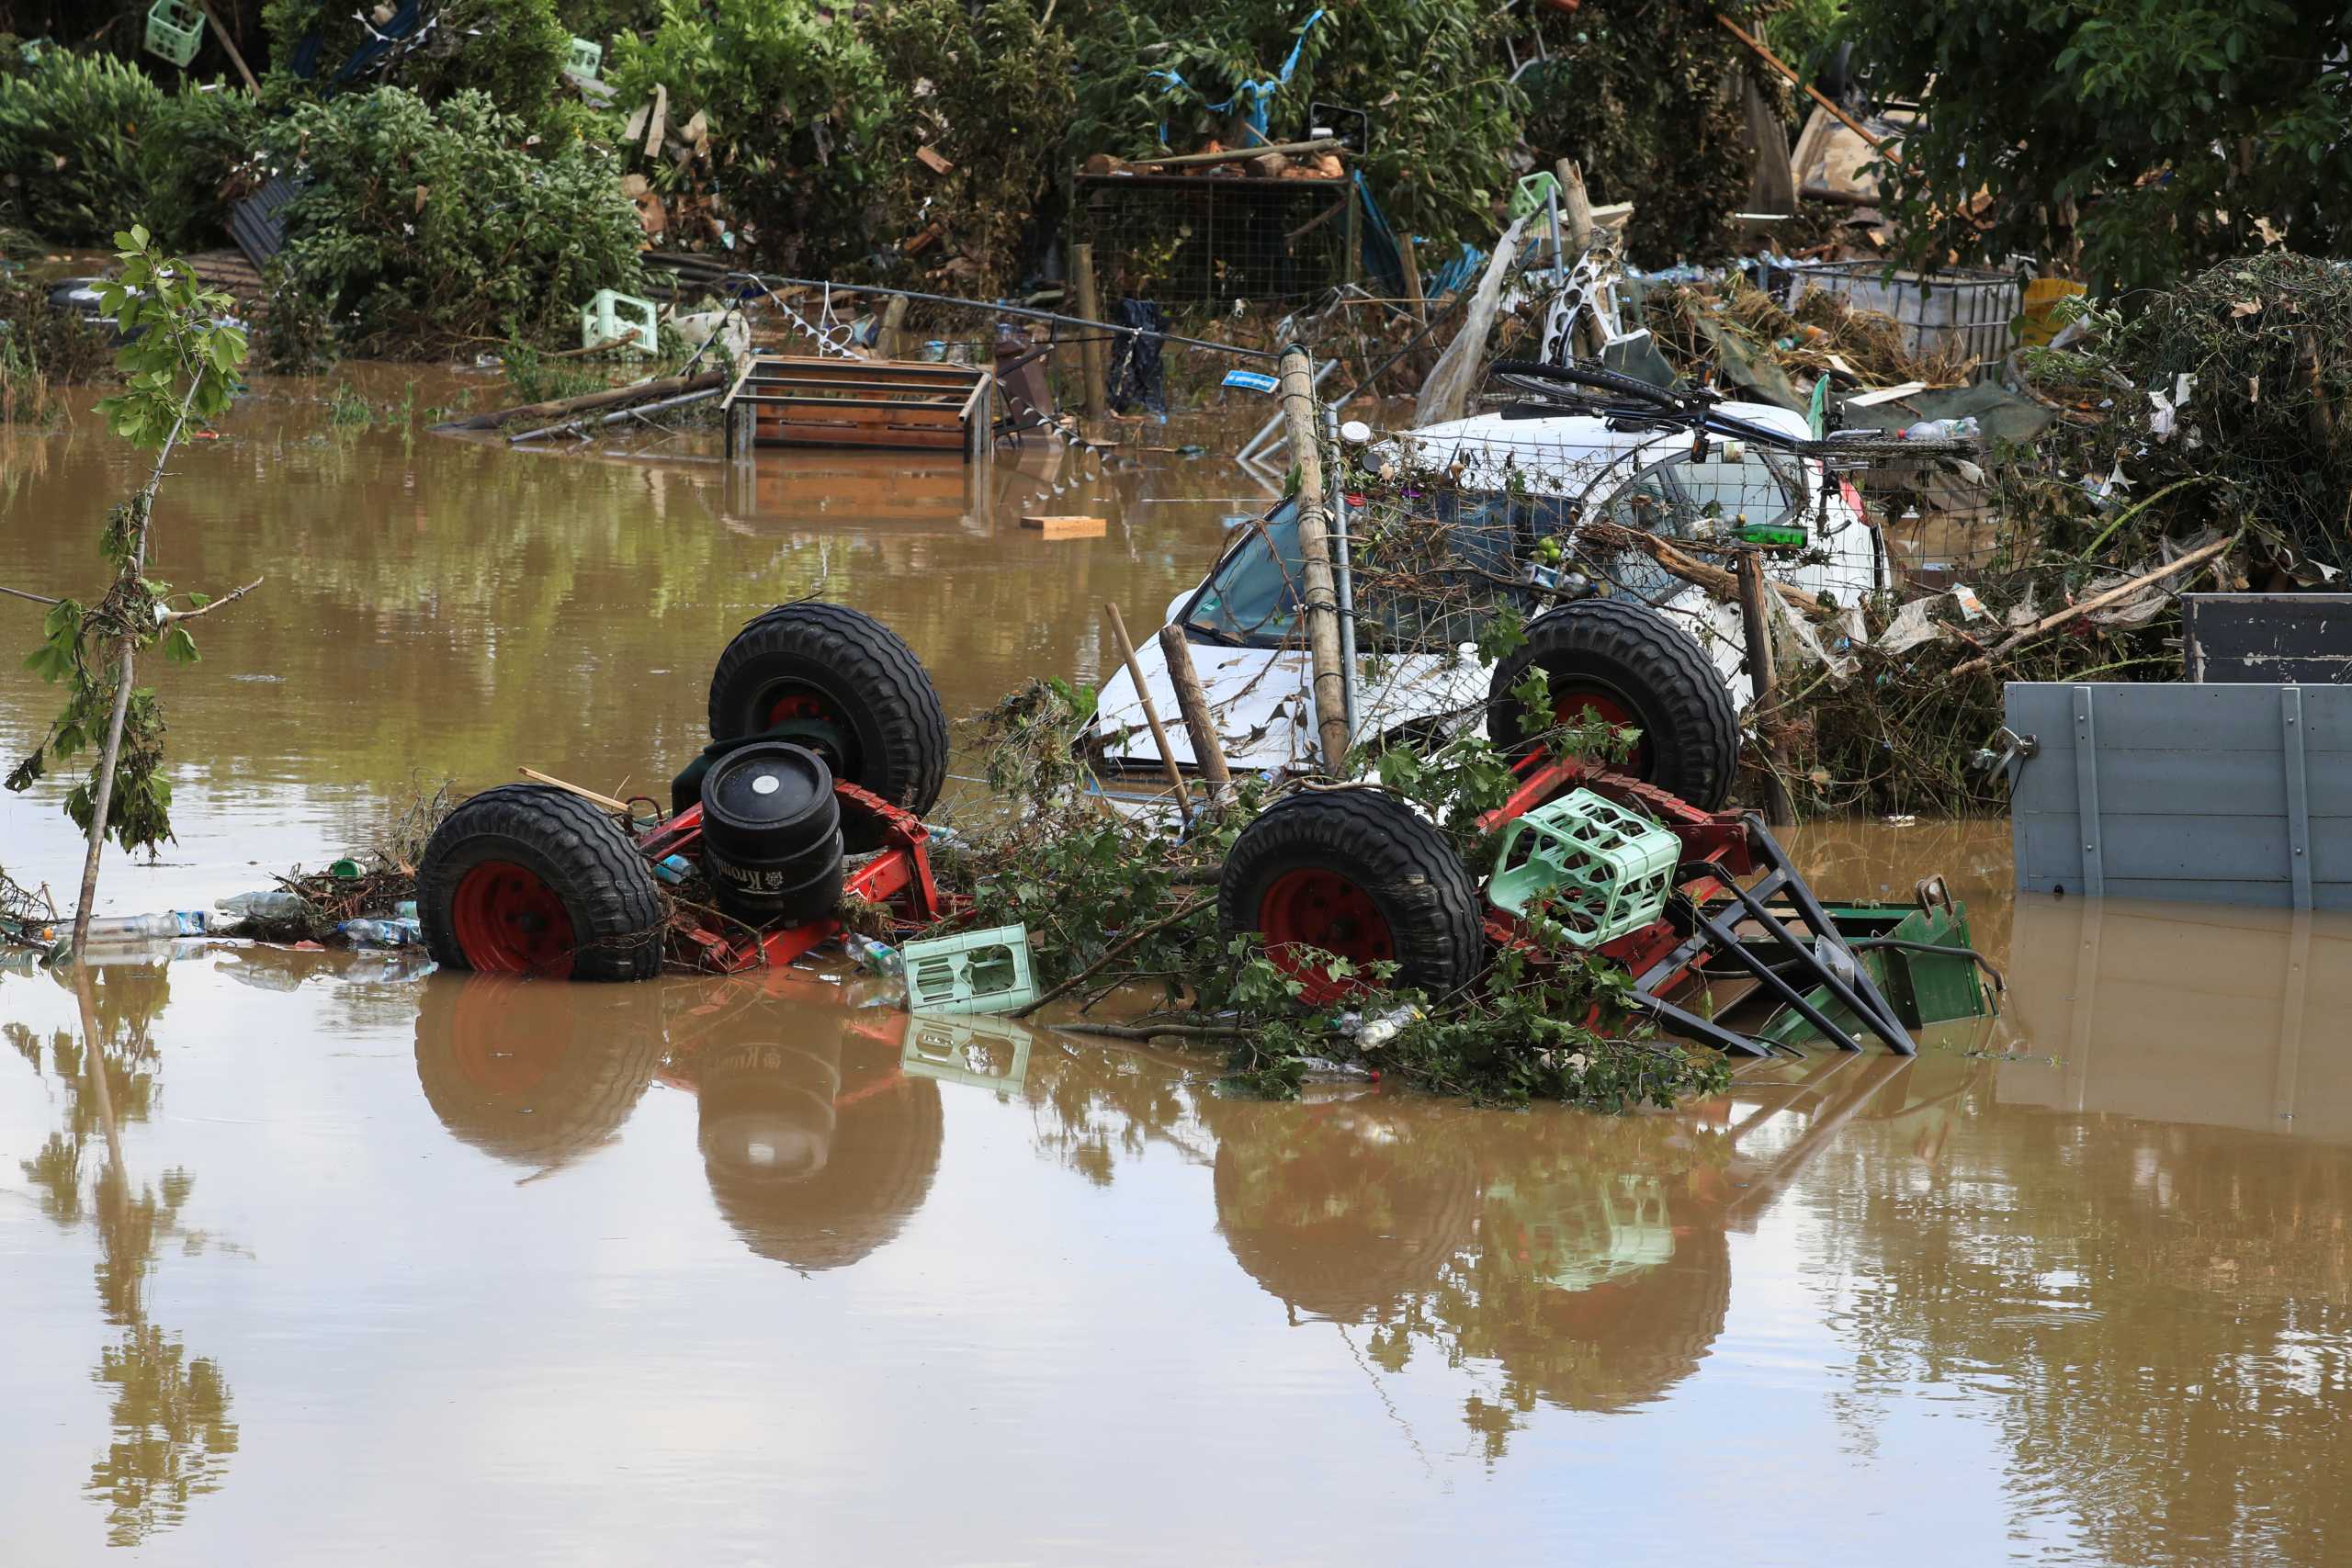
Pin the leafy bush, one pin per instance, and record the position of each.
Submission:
(795, 103)
(511, 49)
(1637, 94)
(426, 227)
(2181, 136)
(70, 130)
(199, 150)
(998, 107)
(1445, 114)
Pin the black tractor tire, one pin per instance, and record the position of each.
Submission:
(1626, 656)
(856, 675)
(526, 879)
(1356, 873)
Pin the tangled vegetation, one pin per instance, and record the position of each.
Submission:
(1122, 911)
(989, 90)
(2156, 140)
(777, 109)
(1645, 97)
(428, 226)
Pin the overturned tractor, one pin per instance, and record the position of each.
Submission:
(829, 744)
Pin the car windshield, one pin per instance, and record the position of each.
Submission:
(1474, 552)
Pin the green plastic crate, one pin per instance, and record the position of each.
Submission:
(584, 60)
(174, 31)
(985, 971)
(623, 322)
(1601, 870)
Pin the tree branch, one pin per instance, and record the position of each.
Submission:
(36, 598)
(1181, 912)
(166, 617)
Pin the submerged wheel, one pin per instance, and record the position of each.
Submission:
(1613, 659)
(528, 880)
(1353, 872)
(842, 684)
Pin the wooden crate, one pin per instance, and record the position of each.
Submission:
(789, 400)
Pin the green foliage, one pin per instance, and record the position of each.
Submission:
(796, 102)
(1635, 94)
(2177, 134)
(998, 103)
(1445, 113)
(180, 370)
(1101, 889)
(512, 51)
(428, 226)
(42, 348)
(70, 130)
(198, 152)
(1806, 34)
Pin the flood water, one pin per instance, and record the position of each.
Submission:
(320, 1261)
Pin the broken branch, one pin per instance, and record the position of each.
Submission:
(2017, 639)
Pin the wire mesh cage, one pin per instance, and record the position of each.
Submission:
(1213, 239)
(1933, 502)
(1975, 309)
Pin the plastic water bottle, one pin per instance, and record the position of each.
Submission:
(874, 957)
(271, 904)
(1963, 429)
(137, 928)
(383, 933)
(1379, 1031)
(672, 869)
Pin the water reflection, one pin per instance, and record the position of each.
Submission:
(816, 1140)
(172, 1435)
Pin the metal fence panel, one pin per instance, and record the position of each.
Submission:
(2222, 794)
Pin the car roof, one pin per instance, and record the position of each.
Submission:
(1569, 448)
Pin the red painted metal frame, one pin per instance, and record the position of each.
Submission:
(900, 876)
(1715, 846)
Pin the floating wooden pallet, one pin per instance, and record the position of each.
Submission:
(786, 400)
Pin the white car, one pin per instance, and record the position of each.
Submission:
(1651, 649)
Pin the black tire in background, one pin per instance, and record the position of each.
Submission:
(844, 683)
(527, 879)
(1626, 662)
(1356, 873)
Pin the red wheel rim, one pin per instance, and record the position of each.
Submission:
(807, 719)
(1578, 703)
(509, 921)
(1323, 910)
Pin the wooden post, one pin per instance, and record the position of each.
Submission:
(1418, 300)
(1779, 809)
(1150, 710)
(1322, 600)
(1575, 208)
(894, 317)
(1092, 357)
(1192, 706)
(230, 45)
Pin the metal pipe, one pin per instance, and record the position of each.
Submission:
(995, 309)
(618, 415)
(1346, 575)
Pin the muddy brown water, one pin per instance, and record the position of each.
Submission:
(320, 1261)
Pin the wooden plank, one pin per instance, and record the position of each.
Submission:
(929, 386)
(925, 410)
(846, 435)
(1066, 527)
(825, 419)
